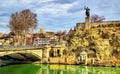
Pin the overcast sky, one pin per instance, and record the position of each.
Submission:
(56, 15)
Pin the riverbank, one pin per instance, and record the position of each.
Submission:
(98, 63)
(102, 63)
(6, 63)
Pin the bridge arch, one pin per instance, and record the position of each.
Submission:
(28, 53)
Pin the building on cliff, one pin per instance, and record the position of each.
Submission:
(90, 25)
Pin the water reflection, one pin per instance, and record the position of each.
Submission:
(56, 69)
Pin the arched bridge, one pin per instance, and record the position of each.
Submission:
(23, 50)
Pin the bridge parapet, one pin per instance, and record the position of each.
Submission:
(5, 48)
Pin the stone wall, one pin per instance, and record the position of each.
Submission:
(102, 24)
(63, 60)
(57, 60)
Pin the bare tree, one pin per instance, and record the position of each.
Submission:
(23, 22)
(96, 18)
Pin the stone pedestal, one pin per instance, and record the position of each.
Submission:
(87, 23)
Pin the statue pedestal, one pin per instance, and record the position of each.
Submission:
(87, 23)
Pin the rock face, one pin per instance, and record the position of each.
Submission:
(100, 43)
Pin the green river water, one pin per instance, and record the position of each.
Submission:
(56, 69)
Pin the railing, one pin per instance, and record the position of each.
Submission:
(18, 47)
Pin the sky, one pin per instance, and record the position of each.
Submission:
(58, 15)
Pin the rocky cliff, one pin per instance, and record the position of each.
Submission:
(100, 43)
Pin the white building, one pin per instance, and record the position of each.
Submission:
(42, 41)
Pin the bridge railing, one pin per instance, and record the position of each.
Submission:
(18, 47)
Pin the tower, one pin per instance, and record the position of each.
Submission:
(41, 30)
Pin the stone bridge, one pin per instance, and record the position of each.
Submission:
(35, 51)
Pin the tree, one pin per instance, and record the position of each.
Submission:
(23, 22)
(96, 18)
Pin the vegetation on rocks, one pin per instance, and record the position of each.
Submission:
(98, 43)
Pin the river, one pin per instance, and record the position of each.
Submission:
(56, 69)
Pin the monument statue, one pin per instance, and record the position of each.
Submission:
(87, 11)
(87, 18)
